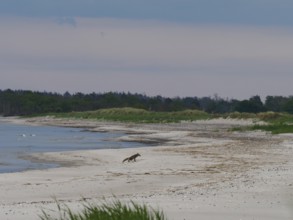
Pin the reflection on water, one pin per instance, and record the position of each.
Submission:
(19, 140)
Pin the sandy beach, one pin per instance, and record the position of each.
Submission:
(196, 170)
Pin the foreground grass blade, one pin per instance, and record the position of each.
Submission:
(115, 210)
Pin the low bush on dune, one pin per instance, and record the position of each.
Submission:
(274, 128)
(107, 211)
(239, 115)
(269, 116)
(263, 116)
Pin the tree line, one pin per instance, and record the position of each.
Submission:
(26, 102)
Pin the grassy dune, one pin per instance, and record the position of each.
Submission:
(138, 115)
(276, 122)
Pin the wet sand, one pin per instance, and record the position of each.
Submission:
(200, 170)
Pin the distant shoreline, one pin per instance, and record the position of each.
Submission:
(25, 144)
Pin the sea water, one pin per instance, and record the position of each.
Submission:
(18, 140)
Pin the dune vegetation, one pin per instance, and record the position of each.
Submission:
(275, 122)
(115, 210)
(138, 115)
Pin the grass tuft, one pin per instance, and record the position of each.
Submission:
(115, 210)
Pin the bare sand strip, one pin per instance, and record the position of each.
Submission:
(199, 170)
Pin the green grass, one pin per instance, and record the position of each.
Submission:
(278, 123)
(107, 211)
(137, 115)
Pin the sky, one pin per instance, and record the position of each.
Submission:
(229, 48)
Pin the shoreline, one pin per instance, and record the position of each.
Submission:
(201, 170)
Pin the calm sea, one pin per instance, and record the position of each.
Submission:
(19, 140)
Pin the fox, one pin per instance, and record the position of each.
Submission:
(131, 158)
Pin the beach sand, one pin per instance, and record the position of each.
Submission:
(197, 170)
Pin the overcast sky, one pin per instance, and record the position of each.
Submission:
(233, 48)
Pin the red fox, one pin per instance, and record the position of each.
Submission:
(133, 157)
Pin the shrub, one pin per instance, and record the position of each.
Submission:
(268, 115)
(241, 115)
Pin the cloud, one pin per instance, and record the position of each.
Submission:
(248, 12)
(129, 44)
(66, 21)
(155, 57)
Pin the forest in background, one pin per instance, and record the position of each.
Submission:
(26, 102)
